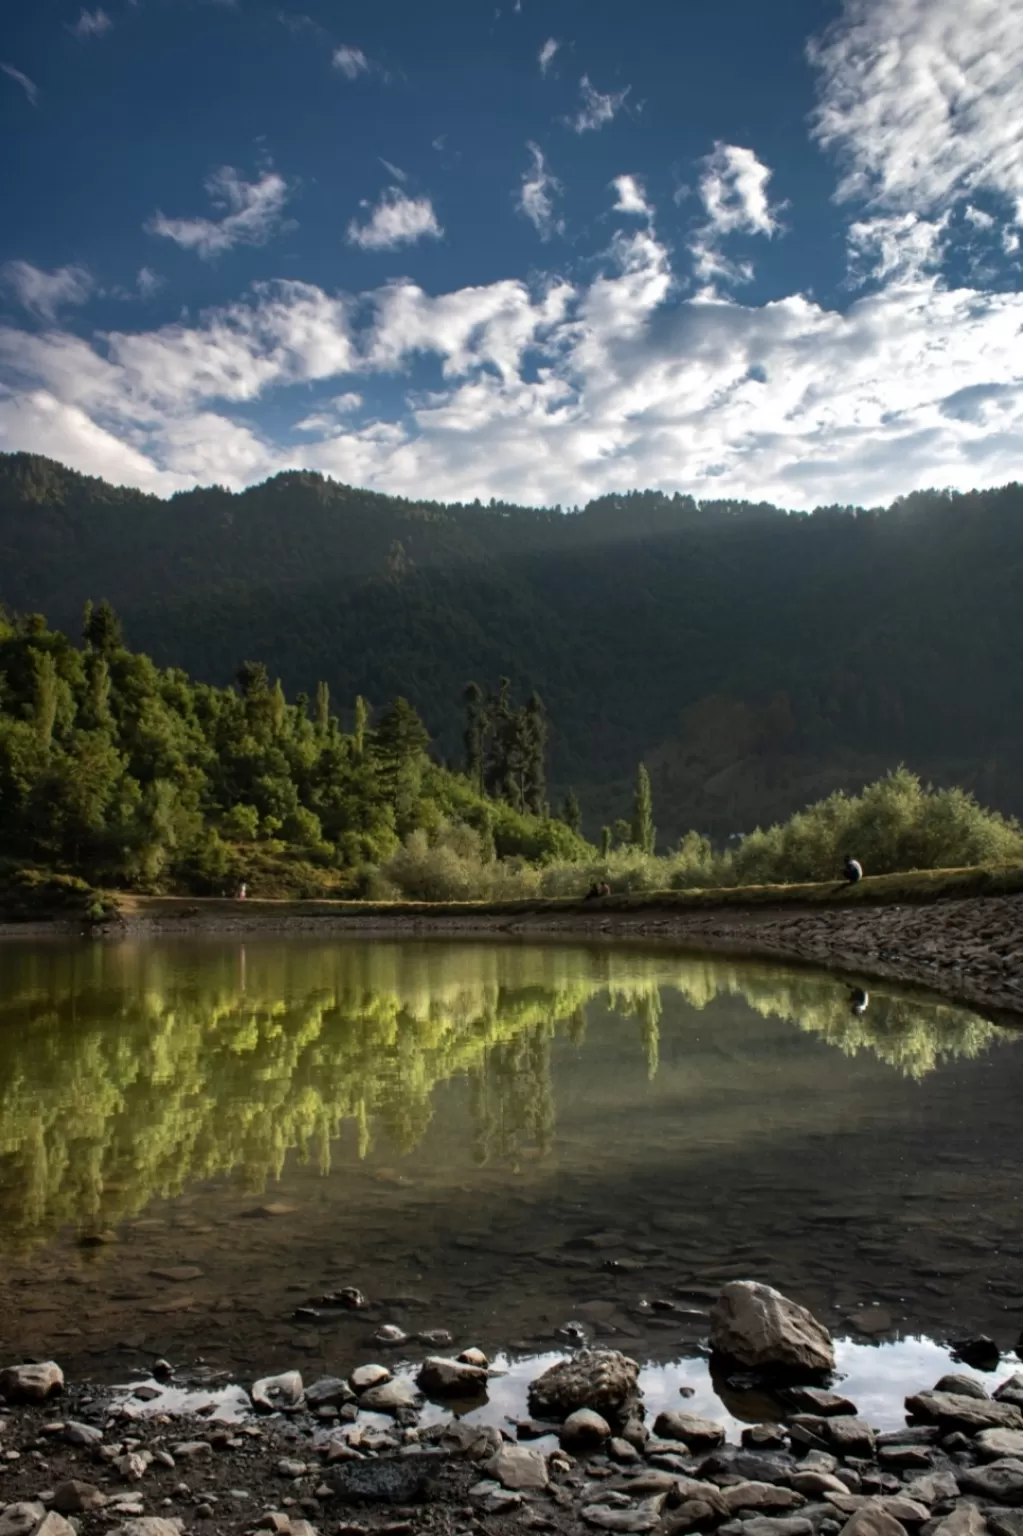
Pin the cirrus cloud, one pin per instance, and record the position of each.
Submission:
(252, 214)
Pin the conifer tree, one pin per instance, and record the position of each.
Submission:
(571, 815)
(644, 834)
(45, 701)
(475, 737)
(359, 727)
(322, 707)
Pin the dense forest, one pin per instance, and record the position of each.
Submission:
(755, 659)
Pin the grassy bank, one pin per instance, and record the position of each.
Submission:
(915, 887)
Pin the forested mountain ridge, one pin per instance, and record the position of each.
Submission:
(755, 658)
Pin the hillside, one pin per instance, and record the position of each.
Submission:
(755, 658)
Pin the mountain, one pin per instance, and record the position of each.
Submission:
(755, 658)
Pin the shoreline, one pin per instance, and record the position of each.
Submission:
(435, 1442)
(950, 935)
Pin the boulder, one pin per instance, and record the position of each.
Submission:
(441, 1377)
(393, 1397)
(1011, 1390)
(328, 1392)
(872, 1520)
(585, 1429)
(994, 1444)
(850, 1436)
(645, 1516)
(56, 1525)
(758, 1326)
(761, 1497)
(602, 1379)
(933, 1488)
(74, 1496)
(695, 1433)
(31, 1383)
(518, 1468)
(279, 1394)
(150, 1525)
(964, 1520)
(21, 1519)
(473, 1356)
(1001, 1481)
(366, 1376)
(953, 1411)
(962, 1386)
(1005, 1522)
(388, 1480)
(817, 1400)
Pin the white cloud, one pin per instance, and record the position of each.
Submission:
(899, 245)
(28, 86)
(394, 170)
(733, 191)
(537, 194)
(978, 218)
(596, 109)
(632, 197)
(396, 220)
(350, 61)
(252, 214)
(91, 24)
(551, 391)
(149, 282)
(547, 53)
(923, 102)
(43, 293)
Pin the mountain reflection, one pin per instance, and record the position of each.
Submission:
(127, 1072)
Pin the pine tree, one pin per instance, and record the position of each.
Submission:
(571, 815)
(359, 727)
(475, 737)
(605, 842)
(103, 630)
(45, 702)
(322, 708)
(643, 832)
(535, 775)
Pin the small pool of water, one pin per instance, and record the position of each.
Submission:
(199, 1140)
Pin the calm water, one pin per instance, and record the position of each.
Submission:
(197, 1138)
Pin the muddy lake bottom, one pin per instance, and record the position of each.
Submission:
(199, 1140)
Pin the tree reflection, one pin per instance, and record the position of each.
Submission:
(128, 1071)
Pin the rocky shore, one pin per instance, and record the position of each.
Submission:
(396, 1453)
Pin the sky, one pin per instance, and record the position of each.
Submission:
(537, 250)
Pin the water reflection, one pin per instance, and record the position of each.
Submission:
(128, 1072)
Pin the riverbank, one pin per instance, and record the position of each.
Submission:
(451, 1443)
(958, 932)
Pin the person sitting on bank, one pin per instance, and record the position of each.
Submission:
(852, 869)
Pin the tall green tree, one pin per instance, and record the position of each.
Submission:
(103, 630)
(475, 736)
(322, 707)
(644, 834)
(571, 814)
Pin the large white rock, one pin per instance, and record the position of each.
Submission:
(31, 1383)
(758, 1326)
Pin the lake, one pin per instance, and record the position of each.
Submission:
(198, 1140)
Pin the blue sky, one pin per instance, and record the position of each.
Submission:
(534, 249)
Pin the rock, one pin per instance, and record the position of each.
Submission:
(964, 1520)
(393, 1397)
(995, 1444)
(693, 1515)
(584, 1429)
(912, 1434)
(980, 1351)
(758, 1326)
(1005, 1522)
(82, 1434)
(149, 1525)
(934, 1488)
(602, 1379)
(962, 1386)
(390, 1333)
(288, 1468)
(473, 1357)
(784, 1525)
(952, 1411)
(817, 1483)
(850, 1436)
(748, 1466)
(328, 1392)
(907, 1511)
(622, 1451)
(55, 1525)
(440, 1377)
(73, 1497)
(21, 1519)
(695, 1433)
(1011, 1390)
(760, 1496)
(278, 1394)
(191, 1450)
(389, 1480)
(763, 1436)
(31, 1383)
(905, 1457)
(999, 1480)
(817, 1400)
(871, 1520)
(134, 1465)
(436, 1338)
(366, 1376)
(641, 1517)
(518, 1468)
